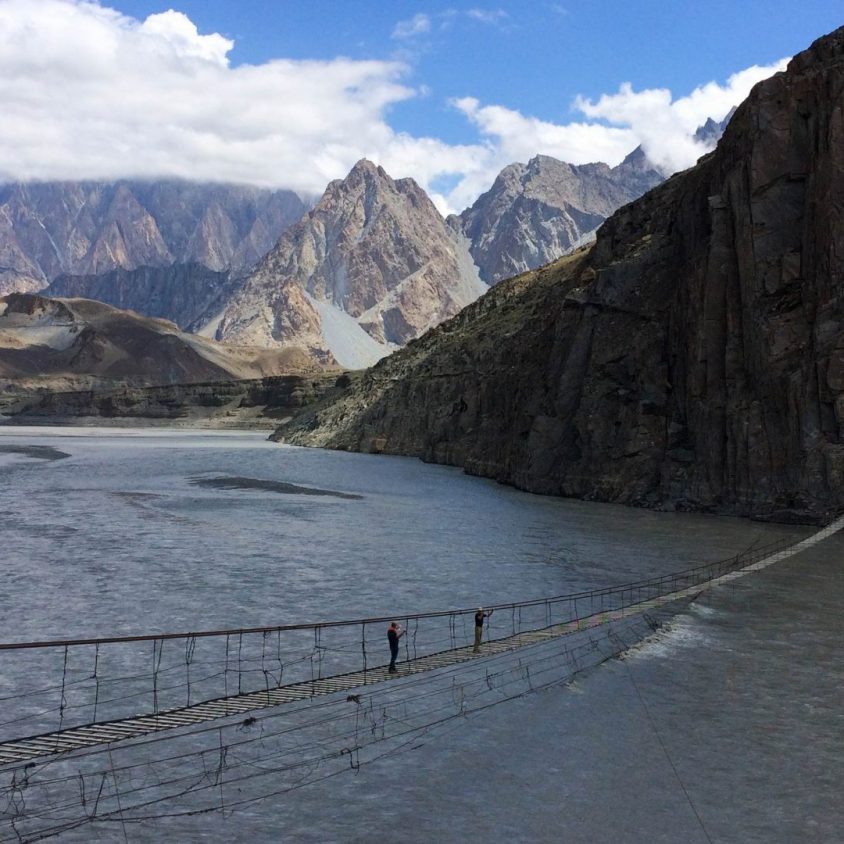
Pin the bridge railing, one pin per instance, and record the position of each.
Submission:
(50, 685)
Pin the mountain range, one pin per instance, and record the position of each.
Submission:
(370, 267)
(538, 211)
(51, 229)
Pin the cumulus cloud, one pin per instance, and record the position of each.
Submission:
(492, 17)
(180, 33)
(665, 126)
(511, 136)
(87, 92)
(519, 136)
(419, 24)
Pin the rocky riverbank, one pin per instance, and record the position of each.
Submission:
(256, 403)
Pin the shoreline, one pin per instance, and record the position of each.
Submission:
(117, 422)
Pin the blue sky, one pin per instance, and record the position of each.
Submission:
(291, 94)
(532, 56)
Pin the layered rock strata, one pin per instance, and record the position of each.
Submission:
(255, 403)
(693, 358)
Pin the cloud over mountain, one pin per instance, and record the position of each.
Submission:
(88, 92)
(665, 126)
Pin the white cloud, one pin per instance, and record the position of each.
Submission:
(492, 17)
(429, 159)
(519, 137)
(449, 18)
(419, 24)
(665, 126)
(176, 29)
(87, 92)
(511, 136)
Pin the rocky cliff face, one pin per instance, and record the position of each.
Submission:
(183, 293)
(535, 213)
(90, 228)
(693, 358)
(372, 266)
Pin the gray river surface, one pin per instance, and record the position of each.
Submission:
(726, 725)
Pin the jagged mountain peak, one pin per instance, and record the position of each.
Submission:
(540, 162)
(367, 175)
(372, 266)
(637, 159)
(536, 212)
(507, 179)
(712, 130)
(351, 206)
(364, 172)
(369, 168)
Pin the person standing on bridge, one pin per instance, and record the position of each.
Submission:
(394, 633)
(480, 615)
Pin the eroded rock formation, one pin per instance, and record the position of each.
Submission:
(253, 403)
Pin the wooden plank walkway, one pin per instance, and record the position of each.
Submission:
(77, 738)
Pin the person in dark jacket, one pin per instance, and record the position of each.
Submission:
(394, 633)
(480, 615)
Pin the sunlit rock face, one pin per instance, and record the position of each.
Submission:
(50, 229)
(536, 212)
(373, 266)
(693, 358)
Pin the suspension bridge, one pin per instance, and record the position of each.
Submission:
(202, 695)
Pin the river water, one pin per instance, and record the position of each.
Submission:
(726, 726)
